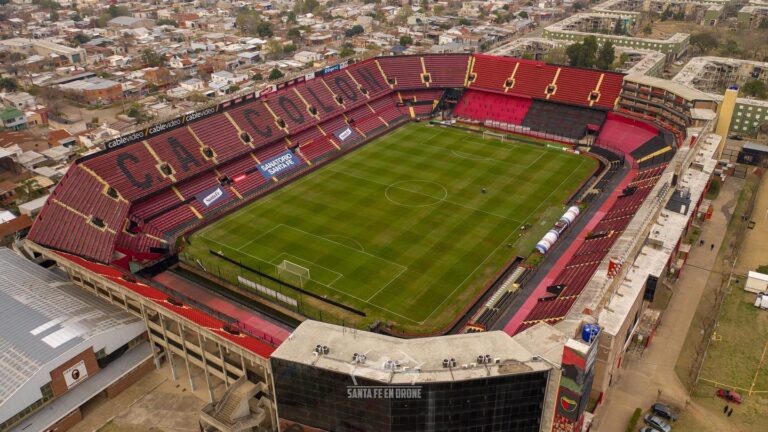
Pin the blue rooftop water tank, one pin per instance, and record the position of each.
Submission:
(589, 332)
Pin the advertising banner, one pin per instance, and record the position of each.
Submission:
(211, 196)
(285, 161)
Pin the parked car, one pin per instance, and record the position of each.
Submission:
(657, 423)
(730, 396)
(663, 411)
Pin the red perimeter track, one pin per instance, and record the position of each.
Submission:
(533, 298)
(257, 324)
(214, 325)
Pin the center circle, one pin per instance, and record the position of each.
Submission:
(416, 193)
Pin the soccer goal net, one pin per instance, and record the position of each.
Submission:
(493, 135)
(292, 273)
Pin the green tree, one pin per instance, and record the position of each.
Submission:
(166, 21)
(274, 48)
(151, 58)
(346, 51)
(248, 21)
(618, 29)
(647, 29)
(705, 40)
(354, 30)
(53, 16)
(80, 39)
(465, 22)
(438, 9)
(28, 189)
(275, 74)
(294, 33)
(583, 54)
(233, 88)
(264, 29)
(556, 55)
(754, 88)
(523, 14)
(606, 56)
(289, 48)
(302, 7)
(257, 77)
(9, 84)
(406, 40)
(578, 6)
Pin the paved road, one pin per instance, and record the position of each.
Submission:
(641, 376)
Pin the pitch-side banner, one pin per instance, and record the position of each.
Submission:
(344, 134)
(211, 196)
(283, 162)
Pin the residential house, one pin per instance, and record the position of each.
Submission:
(7, 192)
(19, 100)
(95, 91)
(61, 137)
(127, 22)
(16, 226)
(13, 119)
(192, 84)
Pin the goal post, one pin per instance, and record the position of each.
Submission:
(293, 273)
(493, 135)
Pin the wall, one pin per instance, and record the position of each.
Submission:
(58, 383)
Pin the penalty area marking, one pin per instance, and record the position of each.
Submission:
(278, 259)
(330, 236)
(330, 287)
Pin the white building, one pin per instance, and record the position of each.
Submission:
(20, 100)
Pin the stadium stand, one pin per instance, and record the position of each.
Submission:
(539, 80)
(447, 70)
(477, 105)
(135, 198)
(593, 248)
(404, 72)
(572, 121)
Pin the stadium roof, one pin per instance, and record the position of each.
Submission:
(420, 360)
(46, 321)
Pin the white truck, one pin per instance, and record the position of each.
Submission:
(762, 301)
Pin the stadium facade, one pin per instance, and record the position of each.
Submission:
(119, 213)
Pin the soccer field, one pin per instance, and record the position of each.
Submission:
(406, 229)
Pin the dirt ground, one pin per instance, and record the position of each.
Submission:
(155, 403)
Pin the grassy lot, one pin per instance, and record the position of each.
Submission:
(738, 350)
(407, 229)
(734, 358)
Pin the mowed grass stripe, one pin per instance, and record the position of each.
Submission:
(386, 199)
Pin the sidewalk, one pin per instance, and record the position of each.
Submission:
(642, 377)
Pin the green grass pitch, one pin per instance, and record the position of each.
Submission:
(401, 228)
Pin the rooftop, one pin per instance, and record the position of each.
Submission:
(405, 361)
(44, 318)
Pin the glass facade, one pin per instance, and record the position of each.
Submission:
(319, 398)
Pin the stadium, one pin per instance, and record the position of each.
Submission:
(438, 201)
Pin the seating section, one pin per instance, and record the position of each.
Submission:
(562, 120)
(625, 134)
(593, 88)
(406, 71)
(477, 105)
(583, 264)
(447, 70)
(138, 196)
